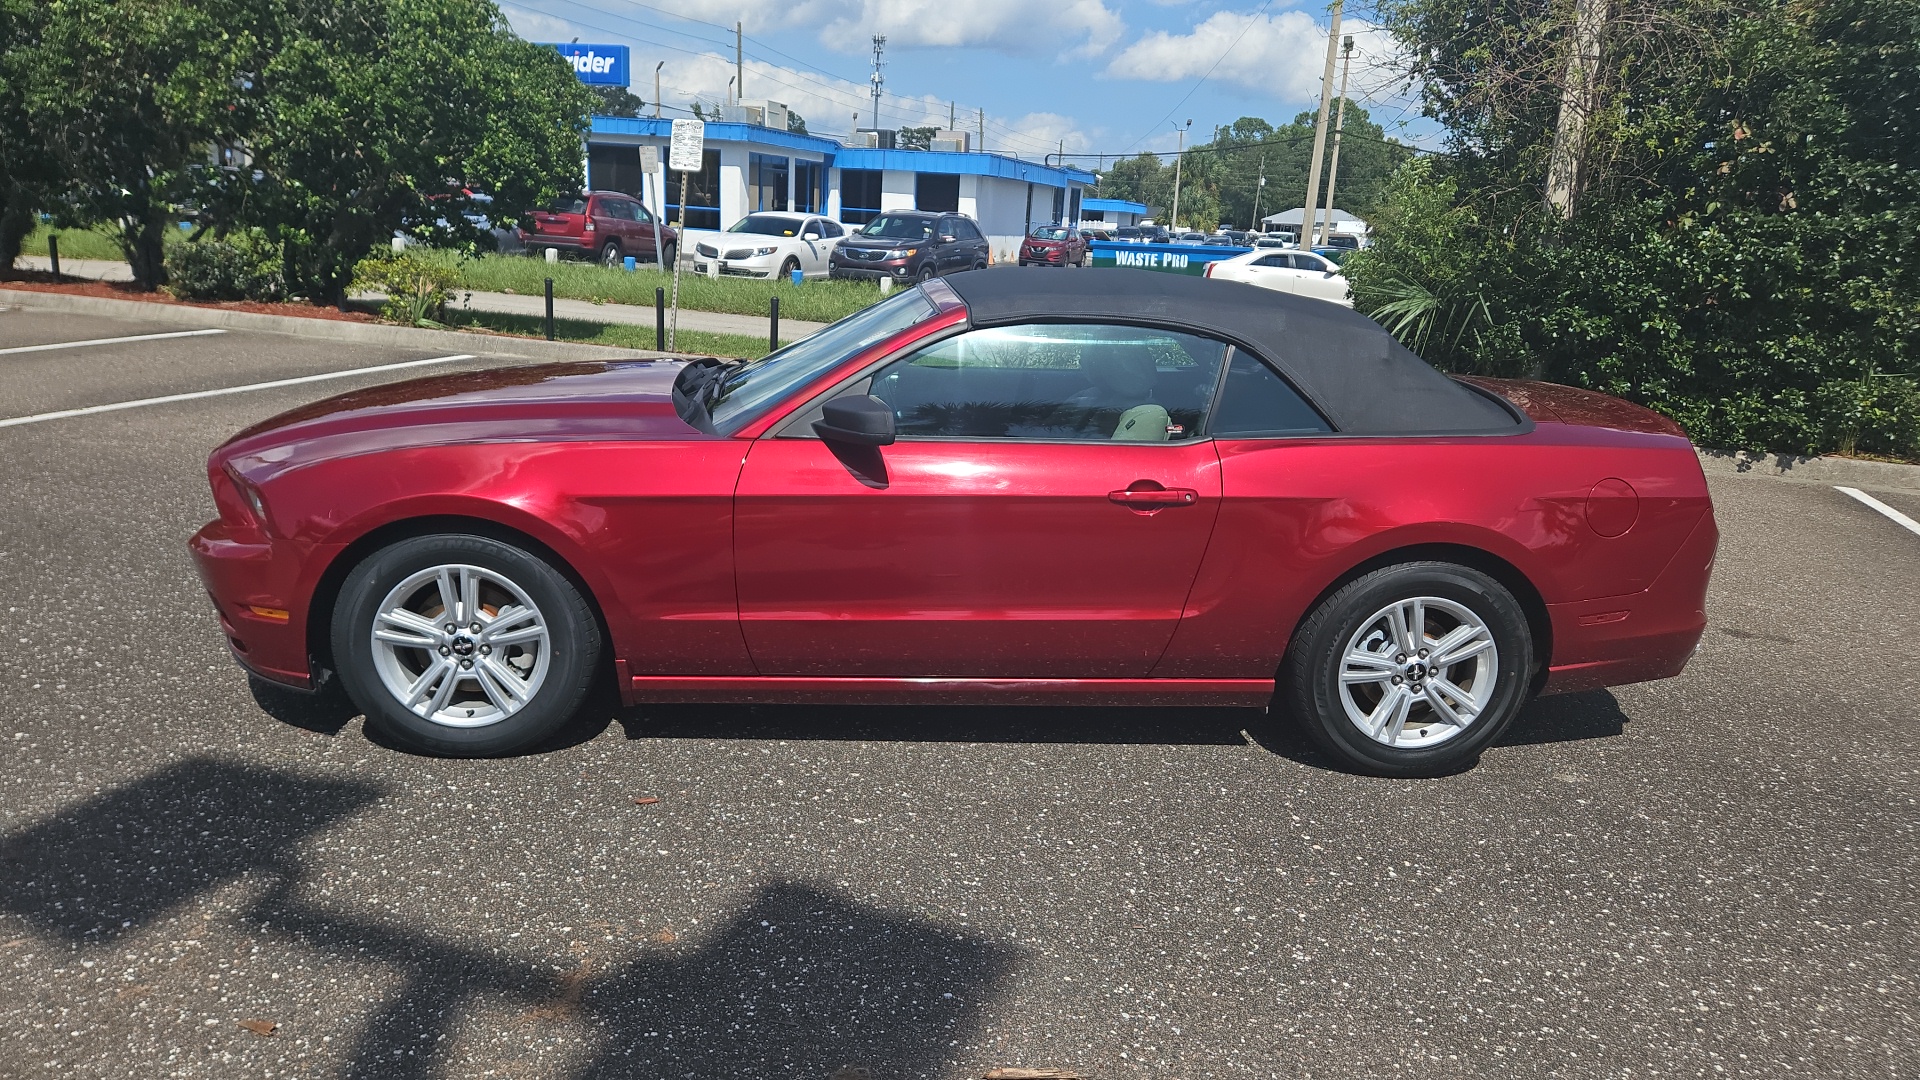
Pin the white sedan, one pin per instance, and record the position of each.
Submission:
(769, 244)
(1302, 273)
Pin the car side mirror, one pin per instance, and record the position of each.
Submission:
(810, 236)
(858, 419)
(946, 238)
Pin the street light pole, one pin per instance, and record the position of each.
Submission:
(656, 88)
(1339, 125)
(1179, 158)
(1259, 189)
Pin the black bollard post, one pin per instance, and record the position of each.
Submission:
(660, 320)
(773, 327)
(53, 253)
(549, 309)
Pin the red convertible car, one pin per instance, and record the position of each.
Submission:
(1008, 486)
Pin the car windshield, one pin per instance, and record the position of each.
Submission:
(1050, 232)
(899, 227)
(752, 388)
(1126, 232)
(768, 224)
(568, 204)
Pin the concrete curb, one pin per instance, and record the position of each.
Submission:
(1827, 471)
(406, 337)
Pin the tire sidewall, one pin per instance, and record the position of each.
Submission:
(610, 253)
(573, 636)
(1313, 669)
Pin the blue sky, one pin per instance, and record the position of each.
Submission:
(1099, 74)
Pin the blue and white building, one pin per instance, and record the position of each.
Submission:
(1114, 212)
(750, 167)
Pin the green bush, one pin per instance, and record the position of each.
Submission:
(237, 267)
(417, 288)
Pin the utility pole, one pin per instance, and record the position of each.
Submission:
(1259, 189)
(656, 88)
(1339, 125)
(951, 106)
(1307, 224)
(1179, 158)
(983, 130)
(1579, 96)
(879, 51)
(739, 63)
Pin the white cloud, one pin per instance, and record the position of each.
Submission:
(1023, 27)
(1279, 55)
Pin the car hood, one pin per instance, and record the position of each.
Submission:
(881, 243)
(626, 400)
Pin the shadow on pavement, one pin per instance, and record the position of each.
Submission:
(800, 981)
(1594, 714)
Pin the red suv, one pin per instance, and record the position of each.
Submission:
(607, 225)
(1054, 245)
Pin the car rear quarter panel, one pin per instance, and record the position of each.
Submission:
(1298, 515)
(646, 526)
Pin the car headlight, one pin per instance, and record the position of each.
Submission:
(757, 252)
(903, 253)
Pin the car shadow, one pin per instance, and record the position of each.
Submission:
(801, 979)
(1593, 714)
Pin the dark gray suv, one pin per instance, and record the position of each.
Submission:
(910, 245)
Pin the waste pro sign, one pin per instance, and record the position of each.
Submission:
(596, 65)
(684, 151)
(1190, 259)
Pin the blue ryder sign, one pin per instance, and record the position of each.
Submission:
(599, 65)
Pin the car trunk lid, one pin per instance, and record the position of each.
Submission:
(1552, 403)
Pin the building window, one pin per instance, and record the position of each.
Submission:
(1060, 205)
(613, 168)
(701, 196)
(767, 180)
(936, 193)
(809, 182)
(859, 195)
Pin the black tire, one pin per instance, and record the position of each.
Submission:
(980, 266)
(1310, 676)
(926, 271)
(787, 268)
(669, 254)
(573, 637)
(610, 254)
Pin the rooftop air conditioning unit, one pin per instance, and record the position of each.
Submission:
(743, 114)
(960, 141)
(877, 138)
(774, 115)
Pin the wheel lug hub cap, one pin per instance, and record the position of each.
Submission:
(462, 647)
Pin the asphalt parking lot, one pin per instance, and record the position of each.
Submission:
(1709, 876)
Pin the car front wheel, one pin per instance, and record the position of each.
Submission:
(1411, 670)
(463, 646)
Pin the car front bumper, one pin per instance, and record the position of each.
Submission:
(891, 268)
(262, 609)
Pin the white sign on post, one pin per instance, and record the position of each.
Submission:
(650, 159)
(689, 139)
(684, 154)
(650, 167)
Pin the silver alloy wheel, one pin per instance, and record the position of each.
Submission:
(1418, 672)
(461, 645)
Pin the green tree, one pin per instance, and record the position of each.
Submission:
(129, 96)
(614, 101)
(915, 138)
(28, 178)
(378, 115)
(796, 123)
(1744, 253)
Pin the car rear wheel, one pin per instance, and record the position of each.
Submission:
(463, 646)
(669, 254)
(1411, 670)
(610, 254)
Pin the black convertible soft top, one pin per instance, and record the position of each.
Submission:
(1362, 380)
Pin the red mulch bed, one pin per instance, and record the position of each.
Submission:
(40, 281)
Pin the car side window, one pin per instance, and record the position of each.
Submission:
(1257, 403)
(1278, 261)
(1085, 382)
(966, 231)
(1312, 263)
(831, 229)
(621, 210)
(642, 215)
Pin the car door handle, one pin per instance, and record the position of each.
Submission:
(1155, 497)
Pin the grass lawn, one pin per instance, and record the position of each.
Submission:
(815, 301)
(619, 335)
(94, 243)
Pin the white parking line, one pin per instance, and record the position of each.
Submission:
(1892, 515)
(106, 341)
(15, 421)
